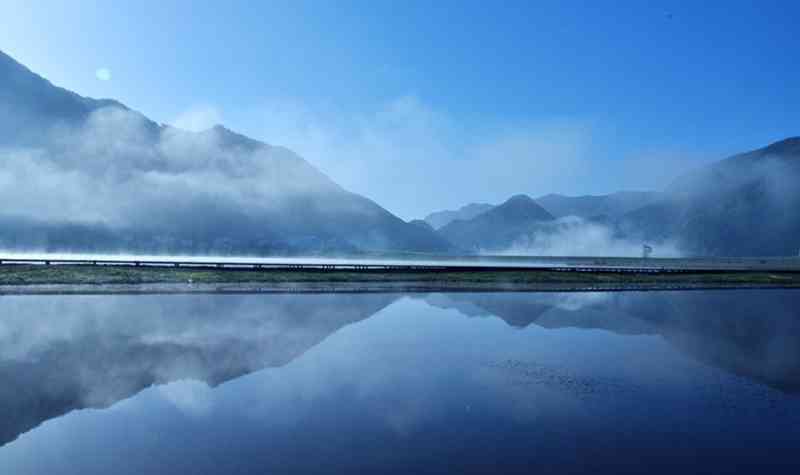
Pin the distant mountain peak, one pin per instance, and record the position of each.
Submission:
(498, 227)
(788, 146)
(221, 129)
(440, 219)
(587, 206)
(520, 199)
(230, 138)
(421, 223)
(521, 207)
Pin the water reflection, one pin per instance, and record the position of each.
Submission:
(431, 383)
(70, 352)
(754, 333)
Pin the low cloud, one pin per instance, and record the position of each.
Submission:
(574, 236)
(118, 170)
(413, 158)
(198, 118)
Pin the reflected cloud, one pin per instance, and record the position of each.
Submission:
(751, 333)
(61, 353)
(71, 352)
(190, 397)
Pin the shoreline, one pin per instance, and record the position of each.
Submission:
(242, 289)
(54, 280)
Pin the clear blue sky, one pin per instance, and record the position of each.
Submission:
(425, 105)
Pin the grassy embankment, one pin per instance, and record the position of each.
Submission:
(24, 275)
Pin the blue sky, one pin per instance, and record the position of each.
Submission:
(427, 105)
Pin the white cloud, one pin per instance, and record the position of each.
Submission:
(413, 158)
(118, 169)
(198, 118)
(573, 236)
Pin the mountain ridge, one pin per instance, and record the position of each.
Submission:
(439, 219)
(743, 205)
(498, 227)
(158, 188)
(90, 174)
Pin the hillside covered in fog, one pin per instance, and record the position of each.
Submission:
(745, 205)
(88, 175)
(80, 174)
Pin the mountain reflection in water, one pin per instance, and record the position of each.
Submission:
(63, 353)
(752, 333)
(70, 352)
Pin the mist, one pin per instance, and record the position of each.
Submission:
(118, 182)
(92, 176)
(741, 206)
(72, 352)
(579, 237)
(120, 168)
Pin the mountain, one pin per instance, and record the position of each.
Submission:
(612, 205)
(544, 309)
(754, 334)
(498, 227)
(94, 175)
(73, 352)
(440, 219)
(421, 223)
(98, 352)
(516, 309)
(745, 205)
(29, 104)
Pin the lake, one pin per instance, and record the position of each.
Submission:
(625, 382)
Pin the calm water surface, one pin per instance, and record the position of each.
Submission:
(664, 382)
